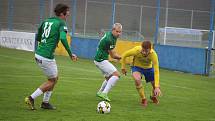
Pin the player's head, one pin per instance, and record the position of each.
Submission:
(117, 29)
(146, 48)
(62, 11)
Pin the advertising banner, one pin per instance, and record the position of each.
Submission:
(17, 40)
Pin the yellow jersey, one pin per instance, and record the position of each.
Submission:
(139, 60)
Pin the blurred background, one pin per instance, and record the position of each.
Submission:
(138, 17)
(180, 23)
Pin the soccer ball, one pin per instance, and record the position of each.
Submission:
(103, 107)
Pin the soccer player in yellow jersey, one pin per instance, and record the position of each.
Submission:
(145, 62)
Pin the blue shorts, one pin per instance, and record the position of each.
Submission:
(148, 73)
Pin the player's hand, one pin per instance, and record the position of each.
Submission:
(115, 60)
(74, 57)
(157, 91)
(119, 58)
(124, 71)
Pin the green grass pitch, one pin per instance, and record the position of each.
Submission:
(186, 97)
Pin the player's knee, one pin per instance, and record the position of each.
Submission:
(137, 82)
(53, 80)
(116, 73)
(137, 79)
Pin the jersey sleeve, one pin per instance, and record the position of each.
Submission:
(128, 53)
(106, 42)
(63, 32)
(110, 46)
(65, 43)
(156, 69)
(63, 27)
(39, 33)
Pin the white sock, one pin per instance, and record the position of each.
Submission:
(37, 93)
(104, 83)
(47, 96)
(110, 83)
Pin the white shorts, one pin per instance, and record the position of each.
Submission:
(48, 66)
(106, 67)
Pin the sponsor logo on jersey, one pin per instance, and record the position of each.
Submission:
(65, 28)
(112, 46)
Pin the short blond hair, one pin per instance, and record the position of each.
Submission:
(117, 25)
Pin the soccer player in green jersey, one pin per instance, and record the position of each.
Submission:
(49, 33)
(105, 48)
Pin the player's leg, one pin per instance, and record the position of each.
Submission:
(49, 86)
(149, 77)
(49, 67)
(111, 74)
(45, 87)
(104, 83)
(30, 99)
(100, 65)
(137, 76)
(111, 81)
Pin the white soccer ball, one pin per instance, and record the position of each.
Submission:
(103, 107)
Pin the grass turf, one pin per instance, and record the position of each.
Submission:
(186, 97)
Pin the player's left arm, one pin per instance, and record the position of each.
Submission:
(156, 74)
(66, 45)
(156, 69)
(114, 54)
(110, 48)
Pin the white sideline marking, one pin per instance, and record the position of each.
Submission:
(79, 69)
(183, 87)
(37, 76)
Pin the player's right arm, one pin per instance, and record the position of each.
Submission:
(114, 55)
(39, 33)
(126, 54)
